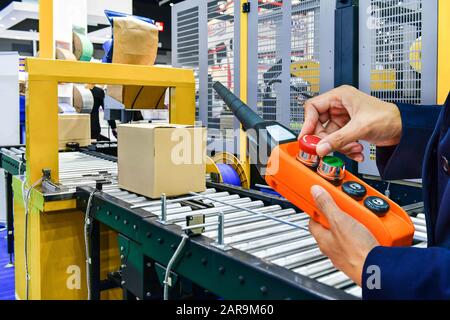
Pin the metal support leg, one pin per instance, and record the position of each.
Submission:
(221, 233)
(163, 219)
(94, 247)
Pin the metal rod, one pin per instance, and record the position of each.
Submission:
(257, 213)
(163, 208)
(221, 229)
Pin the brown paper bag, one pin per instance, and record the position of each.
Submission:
(135, 41)
(138, 97)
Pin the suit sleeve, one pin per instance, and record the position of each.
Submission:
(404, 161)
(407, 274)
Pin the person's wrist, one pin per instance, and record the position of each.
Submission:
(386, 131)
(358, 264)
(396, 124)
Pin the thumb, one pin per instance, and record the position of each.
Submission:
(339, 139)
(325, 203)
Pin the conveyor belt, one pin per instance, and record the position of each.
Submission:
(293, 249)
(269, 240)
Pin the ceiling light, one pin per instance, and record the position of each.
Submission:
(13, 18)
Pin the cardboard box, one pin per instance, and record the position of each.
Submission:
(161, 158)
(74, 128)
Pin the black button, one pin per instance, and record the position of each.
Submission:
(377, 205)
(354, 189)
(445, 165)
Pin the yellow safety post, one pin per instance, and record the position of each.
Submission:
(443, 70)
(46, 43)
(243, 87)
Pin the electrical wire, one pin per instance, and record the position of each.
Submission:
(387, 192)
(87, 230)
(172, 260)
(26, 193)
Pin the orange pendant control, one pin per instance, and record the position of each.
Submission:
(386, 220)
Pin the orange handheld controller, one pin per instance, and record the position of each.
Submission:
(292, 168)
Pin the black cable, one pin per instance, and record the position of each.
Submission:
(137, 96)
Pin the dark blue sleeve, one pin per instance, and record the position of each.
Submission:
(404, 161)
(407, 274)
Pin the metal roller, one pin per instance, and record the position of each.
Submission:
(266, 242)
(316, 269)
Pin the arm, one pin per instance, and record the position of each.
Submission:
(409, 273)
(403, 160)
(404, 273)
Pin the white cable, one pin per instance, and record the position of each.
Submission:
(171, 262)
(387, 192)
(20, 167)
(87, 224)
(26, 193)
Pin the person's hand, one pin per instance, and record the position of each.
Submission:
(345, 115)
(347, 243)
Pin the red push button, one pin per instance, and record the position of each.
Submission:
(308, 155)
(309, 143)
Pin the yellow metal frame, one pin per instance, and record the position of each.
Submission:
(46, 39)
(229, 158)
(243, 157)
(443, 70)
(42, 101)
(55, 237)
(309, 71)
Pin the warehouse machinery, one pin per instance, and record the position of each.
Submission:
(49, 230)
(246, 244)
(283, 53)
(13, 162)
(228, 242)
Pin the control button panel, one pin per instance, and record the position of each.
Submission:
(377, 205)
(332, 169)
(354, 189)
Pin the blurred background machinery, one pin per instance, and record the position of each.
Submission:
(398, 55)
(301, 48)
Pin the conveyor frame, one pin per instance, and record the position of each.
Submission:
(231, 274)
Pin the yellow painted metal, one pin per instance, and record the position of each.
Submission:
(53, 206)
(415, 55)
(229, 158)
(109, 73)
(211, 167)
(42, 109)
(41, 129)
(381, 80)
(56, 255)
(443, 70)
(309, 71)
(244, 85)
(46, 42)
